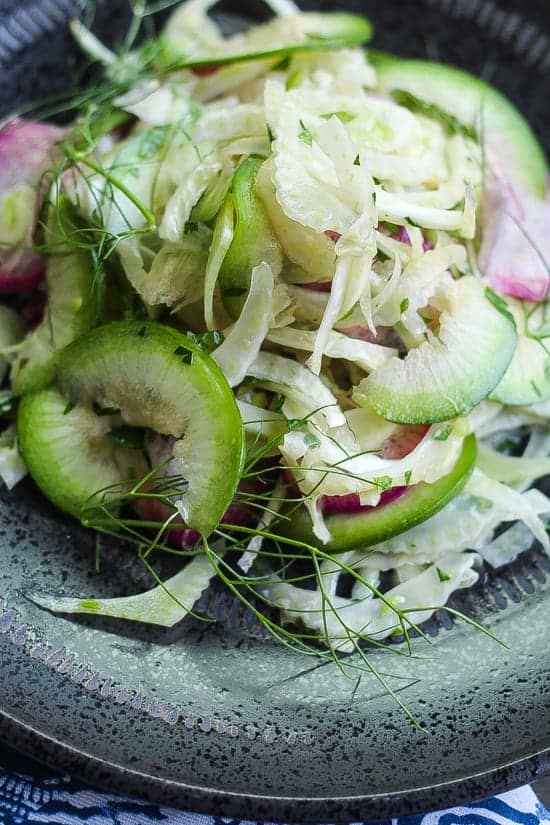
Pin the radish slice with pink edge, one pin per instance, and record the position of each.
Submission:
(515, 253)
(26, 152)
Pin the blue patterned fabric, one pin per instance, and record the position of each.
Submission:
(33, 794)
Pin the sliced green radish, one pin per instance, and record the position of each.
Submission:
(159, 379)
(510, 142)
(449, 375)
(527, 379)
(376, 524)
(253, 240)
(304, 32)
(72, 303)
(68, 453)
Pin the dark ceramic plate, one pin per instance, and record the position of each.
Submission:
(215, 718)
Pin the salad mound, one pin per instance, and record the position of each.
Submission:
(270, 305)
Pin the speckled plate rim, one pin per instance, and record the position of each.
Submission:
(210, 800)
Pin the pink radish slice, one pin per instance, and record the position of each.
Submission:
(399, 444)
(515, 253)
(360, 334)
(20, 271)
(26, 152)
(402, 441)
(180, 536)
(319, 286)
(351, 503)
(205, 71)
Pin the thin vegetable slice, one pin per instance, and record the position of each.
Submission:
(68, 452)
(377, 524)
(448, 375)
(164, 605)
(159, 379)
(72, 302)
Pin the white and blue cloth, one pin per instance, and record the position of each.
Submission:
(31, 795)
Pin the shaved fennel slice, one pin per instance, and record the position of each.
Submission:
(12, 466)
(421, 278)
(242, 345)
(511, 469)
(221, 241)
(220, 124)
(513, 504)
(164, 605)
(190, 30)
(466, 523)
(372, 617)
(328, 469)
(176, 277)
(508, 546)
(366, 355)
(308, 249)
(392, 207)
(306, 390)
(349, 282)
(259, 422)
(157, 105)
(178, 209)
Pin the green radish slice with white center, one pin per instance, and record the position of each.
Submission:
(448, 375)
(350, 531)
(157, 378)
(253, 239)
(68, 452)
(513, 150)
(527, 379)
(71, 309)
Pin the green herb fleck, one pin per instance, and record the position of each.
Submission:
(344, 117)
(442, 576)
(8, 403)
(383, 482)
(152, 141)
(185, 354)
(305, 135)
(311, 441)
(408, 476)
(88, 604)
(404, 305)
(443, 433)
(70, 406)
(294, 79)
(357, 161)
(207, 341)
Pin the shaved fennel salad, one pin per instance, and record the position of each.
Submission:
(277, 304)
